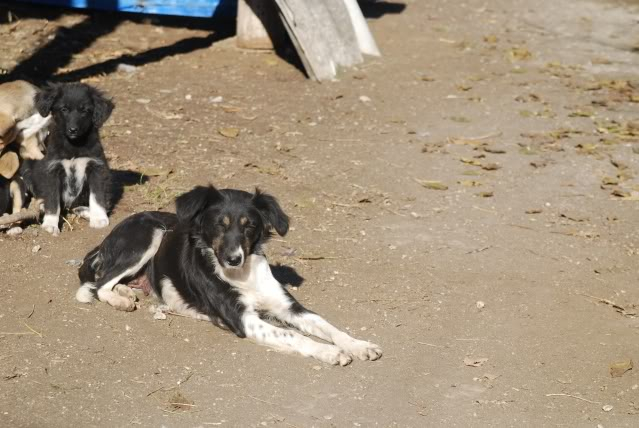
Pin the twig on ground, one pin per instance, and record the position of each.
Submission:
(262, 401)
(68, 223)
(522, 227)
(482, 137)
(337, 204)
(35, 332)
(32, 311)
(171, 388)
(484, 209)
(317, 258)
(430, 344)
(479, 250)
(614, 305)
(573, 396)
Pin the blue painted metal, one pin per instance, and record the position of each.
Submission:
(195, 8)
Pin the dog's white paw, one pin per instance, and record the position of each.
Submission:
(99, 222)
(333, 355)
(364, 350)
(50, 224)
(124, 298)
(53, 230)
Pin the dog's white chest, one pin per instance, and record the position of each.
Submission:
(74, 178)
(255, 282)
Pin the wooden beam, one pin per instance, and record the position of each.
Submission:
(258, 24)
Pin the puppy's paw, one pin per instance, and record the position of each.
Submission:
(98, 222)
(53, 230)
(50, 224)
(333, 355)
(364, 350)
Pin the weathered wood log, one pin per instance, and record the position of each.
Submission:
(30, 214)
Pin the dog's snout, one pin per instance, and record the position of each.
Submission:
(234, 260)
(72, 130)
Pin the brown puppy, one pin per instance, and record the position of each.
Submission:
(20, 121)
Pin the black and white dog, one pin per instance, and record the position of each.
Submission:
(74, 172)
(207, 262)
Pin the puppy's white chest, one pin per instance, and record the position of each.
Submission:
(74, 178)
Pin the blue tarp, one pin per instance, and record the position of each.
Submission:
(195, 8)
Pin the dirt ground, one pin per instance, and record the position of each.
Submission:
(467, 201)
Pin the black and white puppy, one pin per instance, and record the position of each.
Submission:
(74, 172)
(207, 262)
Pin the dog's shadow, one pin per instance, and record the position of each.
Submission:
(287, 276)
(123, 178)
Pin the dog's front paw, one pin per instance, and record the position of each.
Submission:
(364, 350)
(98, 222)
(53, 230)
(333, 355)
(50, 224)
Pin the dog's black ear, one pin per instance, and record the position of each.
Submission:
(271, 212)
(193, 203)
(102, 107)
(45, 99)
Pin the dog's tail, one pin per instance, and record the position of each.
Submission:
(87, 273)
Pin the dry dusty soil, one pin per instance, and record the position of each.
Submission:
(468, 201)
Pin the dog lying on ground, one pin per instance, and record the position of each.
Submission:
(20, 122)
(207, 262)
(74, 173)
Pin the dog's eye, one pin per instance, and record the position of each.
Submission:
(249, 228)
(64, 109)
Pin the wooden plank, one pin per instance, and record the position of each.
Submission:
(258, 25)
(365, 39)
(323, 35)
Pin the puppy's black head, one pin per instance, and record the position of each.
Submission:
(232, 223)
(76, 108)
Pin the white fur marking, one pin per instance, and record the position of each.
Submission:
(85, 293)
(291, 341)
(75, 176)
(50, 223)
(97, 214)
(176, 304)
(238, 252)
(314, 324)
(33, 124)
(261, 291)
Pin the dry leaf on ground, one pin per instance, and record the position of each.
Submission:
(229, 132)
(617, 369)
